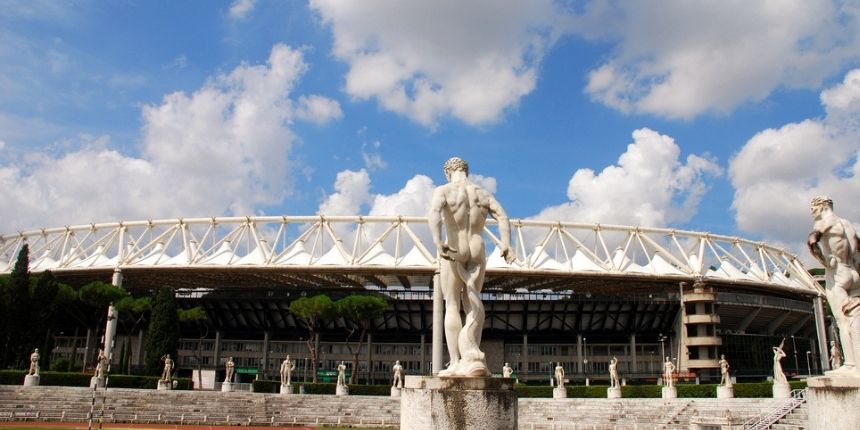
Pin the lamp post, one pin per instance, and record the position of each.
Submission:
(808, 368)
(585, 360)
(662, 339)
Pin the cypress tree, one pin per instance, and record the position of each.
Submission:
(18, 311)
(163, 334)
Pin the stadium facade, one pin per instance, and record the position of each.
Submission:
(578, 294)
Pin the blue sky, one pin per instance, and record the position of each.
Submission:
(724, 116)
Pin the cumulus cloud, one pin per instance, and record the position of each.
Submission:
(679, 59)
(371, 157)
(318, 109)
(241, 8)
(222, 149)
(778, 171)
(650, 182)
(426, 60)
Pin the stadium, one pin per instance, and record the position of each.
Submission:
(577, 294)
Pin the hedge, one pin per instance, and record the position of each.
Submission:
(63, 379)
(321, 388)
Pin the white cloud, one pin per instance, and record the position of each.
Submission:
(317, 109)
(352, 193)
(649, 186)
(426, 60)
(241, 8)
(778, 171)
(222, 149)
(679, 59)
(372, 159)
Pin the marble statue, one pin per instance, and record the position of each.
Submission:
(341, 374)
(778, 355)
(668, 372)
(102, 364)
(613, 373)
(507, 371)
(287, 367)
(34, 363)
(463, 208)
(168, 367)
(835, 355)
(398, 374)
(834, 243)
(230, 370)
(559, 375)
(725, 379)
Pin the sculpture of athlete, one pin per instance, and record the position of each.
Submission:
(559, 376)
(287, 368)
(168, 367)
(834, 243)
(463, 207)
(613, 373)
(398, 371)
(725, 380)
(101, 365)
(668, 372)
(778, 355)
(230, 370)
(835, 355)
(341, 374)
(507, 371)
(34, 363)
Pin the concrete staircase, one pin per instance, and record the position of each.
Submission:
(798, 419)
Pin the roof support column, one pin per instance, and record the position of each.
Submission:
(110, 327)
(579, 353)
(265, 364)
(217, 358)
(438, 325)
(634, 367)
(821, 333)
(524, 366)
(369, 360)
(421, 366)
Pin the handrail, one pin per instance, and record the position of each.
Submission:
(764, 421)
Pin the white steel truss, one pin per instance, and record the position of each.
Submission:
(395, 244)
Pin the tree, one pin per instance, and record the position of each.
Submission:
(137, 307)
(163, 334)
(17, 309)
(198, 316)
(313, 312)
(359, 312)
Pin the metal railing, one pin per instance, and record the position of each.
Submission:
(764, 421)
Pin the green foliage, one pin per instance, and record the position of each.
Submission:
(313, 311)
(163, 334)
(63, 379)
(354, 390)
(99, 294)
(194, 314)
(359, 311)
(135, 305)
(16, 310)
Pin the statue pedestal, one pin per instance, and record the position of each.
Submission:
(832, 402)
(431, 403)
(559, 393)
(31, 380)
(286, 389)
(725, 392)
(395, 391)
(341, 390)
(164, 385)
(613, 393)
(670, 393)
(96, 382)
(781, 391)
(226, 387)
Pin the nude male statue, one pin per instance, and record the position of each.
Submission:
(341, 374)
(613, 373)
(229, 369)
(101, 365)
(398, 372)
(668, 372)
(287, 368)
(168, 367)
(507, 371)
(464, 207)
(34, 363)
(559, 376)
(725, 380)
(834, 243)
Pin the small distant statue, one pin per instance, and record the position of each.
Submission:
(398, 372)
(725, 380)
(168, 367)
(835, 355)
(102, 363)
(559, 375)
(834, 243)
(34, 363)
(779, 354)
(230, 370)
(341, 374)
(507, 371)
(668, 373)
(287, 368)
(613, 373)
(462, 207)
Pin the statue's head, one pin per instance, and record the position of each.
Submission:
(455, 164)
(819, 204)
(397, 362)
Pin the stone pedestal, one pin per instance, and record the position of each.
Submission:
(96, 382)
(286, 389)
(31, 380)
(833, 402)
(670, 393)
(395, 391)
(781, 391)
(559, 393)
(441, 403)
(613, 393)
(164, 385)
(226, 387)
(341, 390)
(725, 392)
